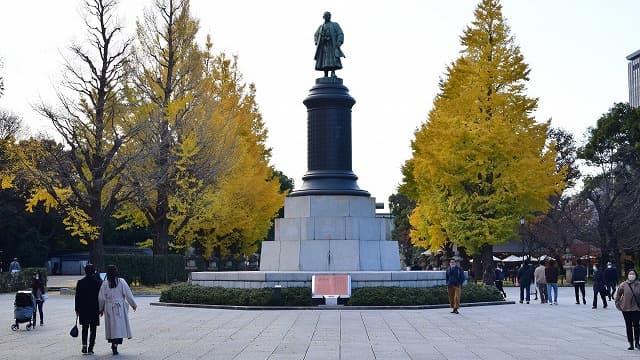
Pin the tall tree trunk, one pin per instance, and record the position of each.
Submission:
(96, 253)
(477, 266)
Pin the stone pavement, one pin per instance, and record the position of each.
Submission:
(519, 331)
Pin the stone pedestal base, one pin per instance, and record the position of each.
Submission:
(330, 233)
(359, 279)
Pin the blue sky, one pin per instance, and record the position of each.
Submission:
(396, 52)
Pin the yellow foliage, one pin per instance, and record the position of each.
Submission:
(481, 162)
(6, 182)
(48, 199)
(78, 223)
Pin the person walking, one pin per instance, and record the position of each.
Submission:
(525, 276)
(37, 289)
(578, 280)
(113, 297)
(500, 279)
(14, 266)
(551, 276)
(598, 287)
(87, 306)
(610, 279)
(627, 299)
(541, 282)
(489, 276)
(455, 278)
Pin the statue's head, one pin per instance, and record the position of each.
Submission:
(326, 16)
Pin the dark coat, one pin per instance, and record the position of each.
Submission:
(579, 273)
(551, 273)
(455, 276)
(499, 275)
(525, 275)
(611, 276)
(598, 281)
(87, 307)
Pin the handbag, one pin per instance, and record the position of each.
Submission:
(74, 329)
(44, 297)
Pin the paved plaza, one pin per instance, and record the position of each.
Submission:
(519, 331)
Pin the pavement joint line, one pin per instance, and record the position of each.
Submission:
(339, 307)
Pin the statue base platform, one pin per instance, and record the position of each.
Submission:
(359, 279)
(330, 233)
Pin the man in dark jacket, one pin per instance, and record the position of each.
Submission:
(611, 279)
(87, 307)
(578, 280)
(525, 277)
(455, 278)
(499, 279)
(598, 287)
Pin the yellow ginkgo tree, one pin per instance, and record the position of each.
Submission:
(206, 138)
(481, 161)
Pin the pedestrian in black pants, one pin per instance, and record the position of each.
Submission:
(87, 307)
(500, 279)
(598, 287)
(579, 278)
(525, 277)
(611, 279)
(627, 299)
(38, 290)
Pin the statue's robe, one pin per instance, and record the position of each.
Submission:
(328, 39)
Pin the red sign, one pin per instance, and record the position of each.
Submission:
(330, 284)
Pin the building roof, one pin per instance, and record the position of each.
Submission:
(634, 55)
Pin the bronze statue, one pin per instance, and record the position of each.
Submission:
(328, 38)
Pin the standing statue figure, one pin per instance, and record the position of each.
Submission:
(328, 38)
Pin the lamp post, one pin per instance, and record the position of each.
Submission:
(522, 237)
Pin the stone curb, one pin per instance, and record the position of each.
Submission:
(72, 292)
(329, 307)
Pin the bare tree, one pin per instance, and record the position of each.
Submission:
(94, 124)
(11, 126)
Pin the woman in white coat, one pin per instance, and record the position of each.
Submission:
(114, 295)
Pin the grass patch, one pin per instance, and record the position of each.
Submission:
(153, 289)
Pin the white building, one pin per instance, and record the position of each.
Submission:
(634, 79)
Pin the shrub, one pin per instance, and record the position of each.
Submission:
(148, 270)
(406, 296)
(195, 294)
(21, 280)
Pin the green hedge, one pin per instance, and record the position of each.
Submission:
(195, 294)
(298, 296)
(407, 296)
(148, 270)
(19, 281)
